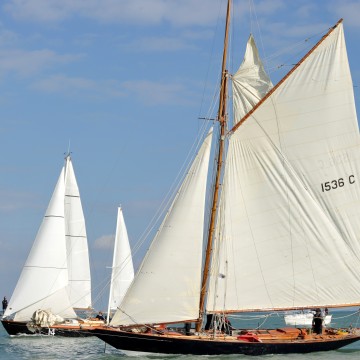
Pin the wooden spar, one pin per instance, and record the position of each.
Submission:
(235, 127)
(222, 120)
(290, 308)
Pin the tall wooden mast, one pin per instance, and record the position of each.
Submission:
(222, 118)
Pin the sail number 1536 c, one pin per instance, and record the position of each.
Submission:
(338, 183)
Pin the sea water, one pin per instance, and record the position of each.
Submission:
(91, 348)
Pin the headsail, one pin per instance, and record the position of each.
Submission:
(44, 278)
(122, 273)
(167, 286)
(76, 242)
(291, 195)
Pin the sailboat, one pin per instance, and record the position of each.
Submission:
(284, 224)
(122, 273)
(55, 280)
(304, 318)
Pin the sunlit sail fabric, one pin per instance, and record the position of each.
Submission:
(122, 273)
(167, 286)
(76, 242)
(250, 83)
(44, 278)
(291, 195)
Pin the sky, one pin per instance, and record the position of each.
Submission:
(121, 85)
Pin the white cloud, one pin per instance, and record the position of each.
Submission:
(26, 63)
(181, 12)
(349, 10)
(147, 92)
(13, 201)
(63, 83)
(161, 43)
(60, 83)
(7, 37)
(104, 242)
(155, 93)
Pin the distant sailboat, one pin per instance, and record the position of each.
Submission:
(304, 318)
(284, 225)
(122, 273)
(56, 275)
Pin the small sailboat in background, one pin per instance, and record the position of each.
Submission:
(284, 226)
(122, 273)
(304, 318)
(55, 280)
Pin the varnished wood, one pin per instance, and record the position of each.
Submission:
(222, 117)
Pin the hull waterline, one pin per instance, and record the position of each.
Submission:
(18, 328)
(199, 346)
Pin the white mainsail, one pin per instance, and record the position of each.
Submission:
(250, 83)
(167, 286)
(44, 278)
(122, 273)
(288, 230)
(76, 242)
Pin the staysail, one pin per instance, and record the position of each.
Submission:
(122, 273)
(291, 195)
(167, 286)
(76, 242)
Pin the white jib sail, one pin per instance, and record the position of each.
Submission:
(250, 83)
(288, 233)
(76, 242)
(122, 273)
(44, 278)
(167, 286)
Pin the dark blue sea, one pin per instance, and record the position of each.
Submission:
(91, 348)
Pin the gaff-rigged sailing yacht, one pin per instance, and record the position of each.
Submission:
(55, 279)
(284, 233)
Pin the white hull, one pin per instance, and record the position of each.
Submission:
(304, 319)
